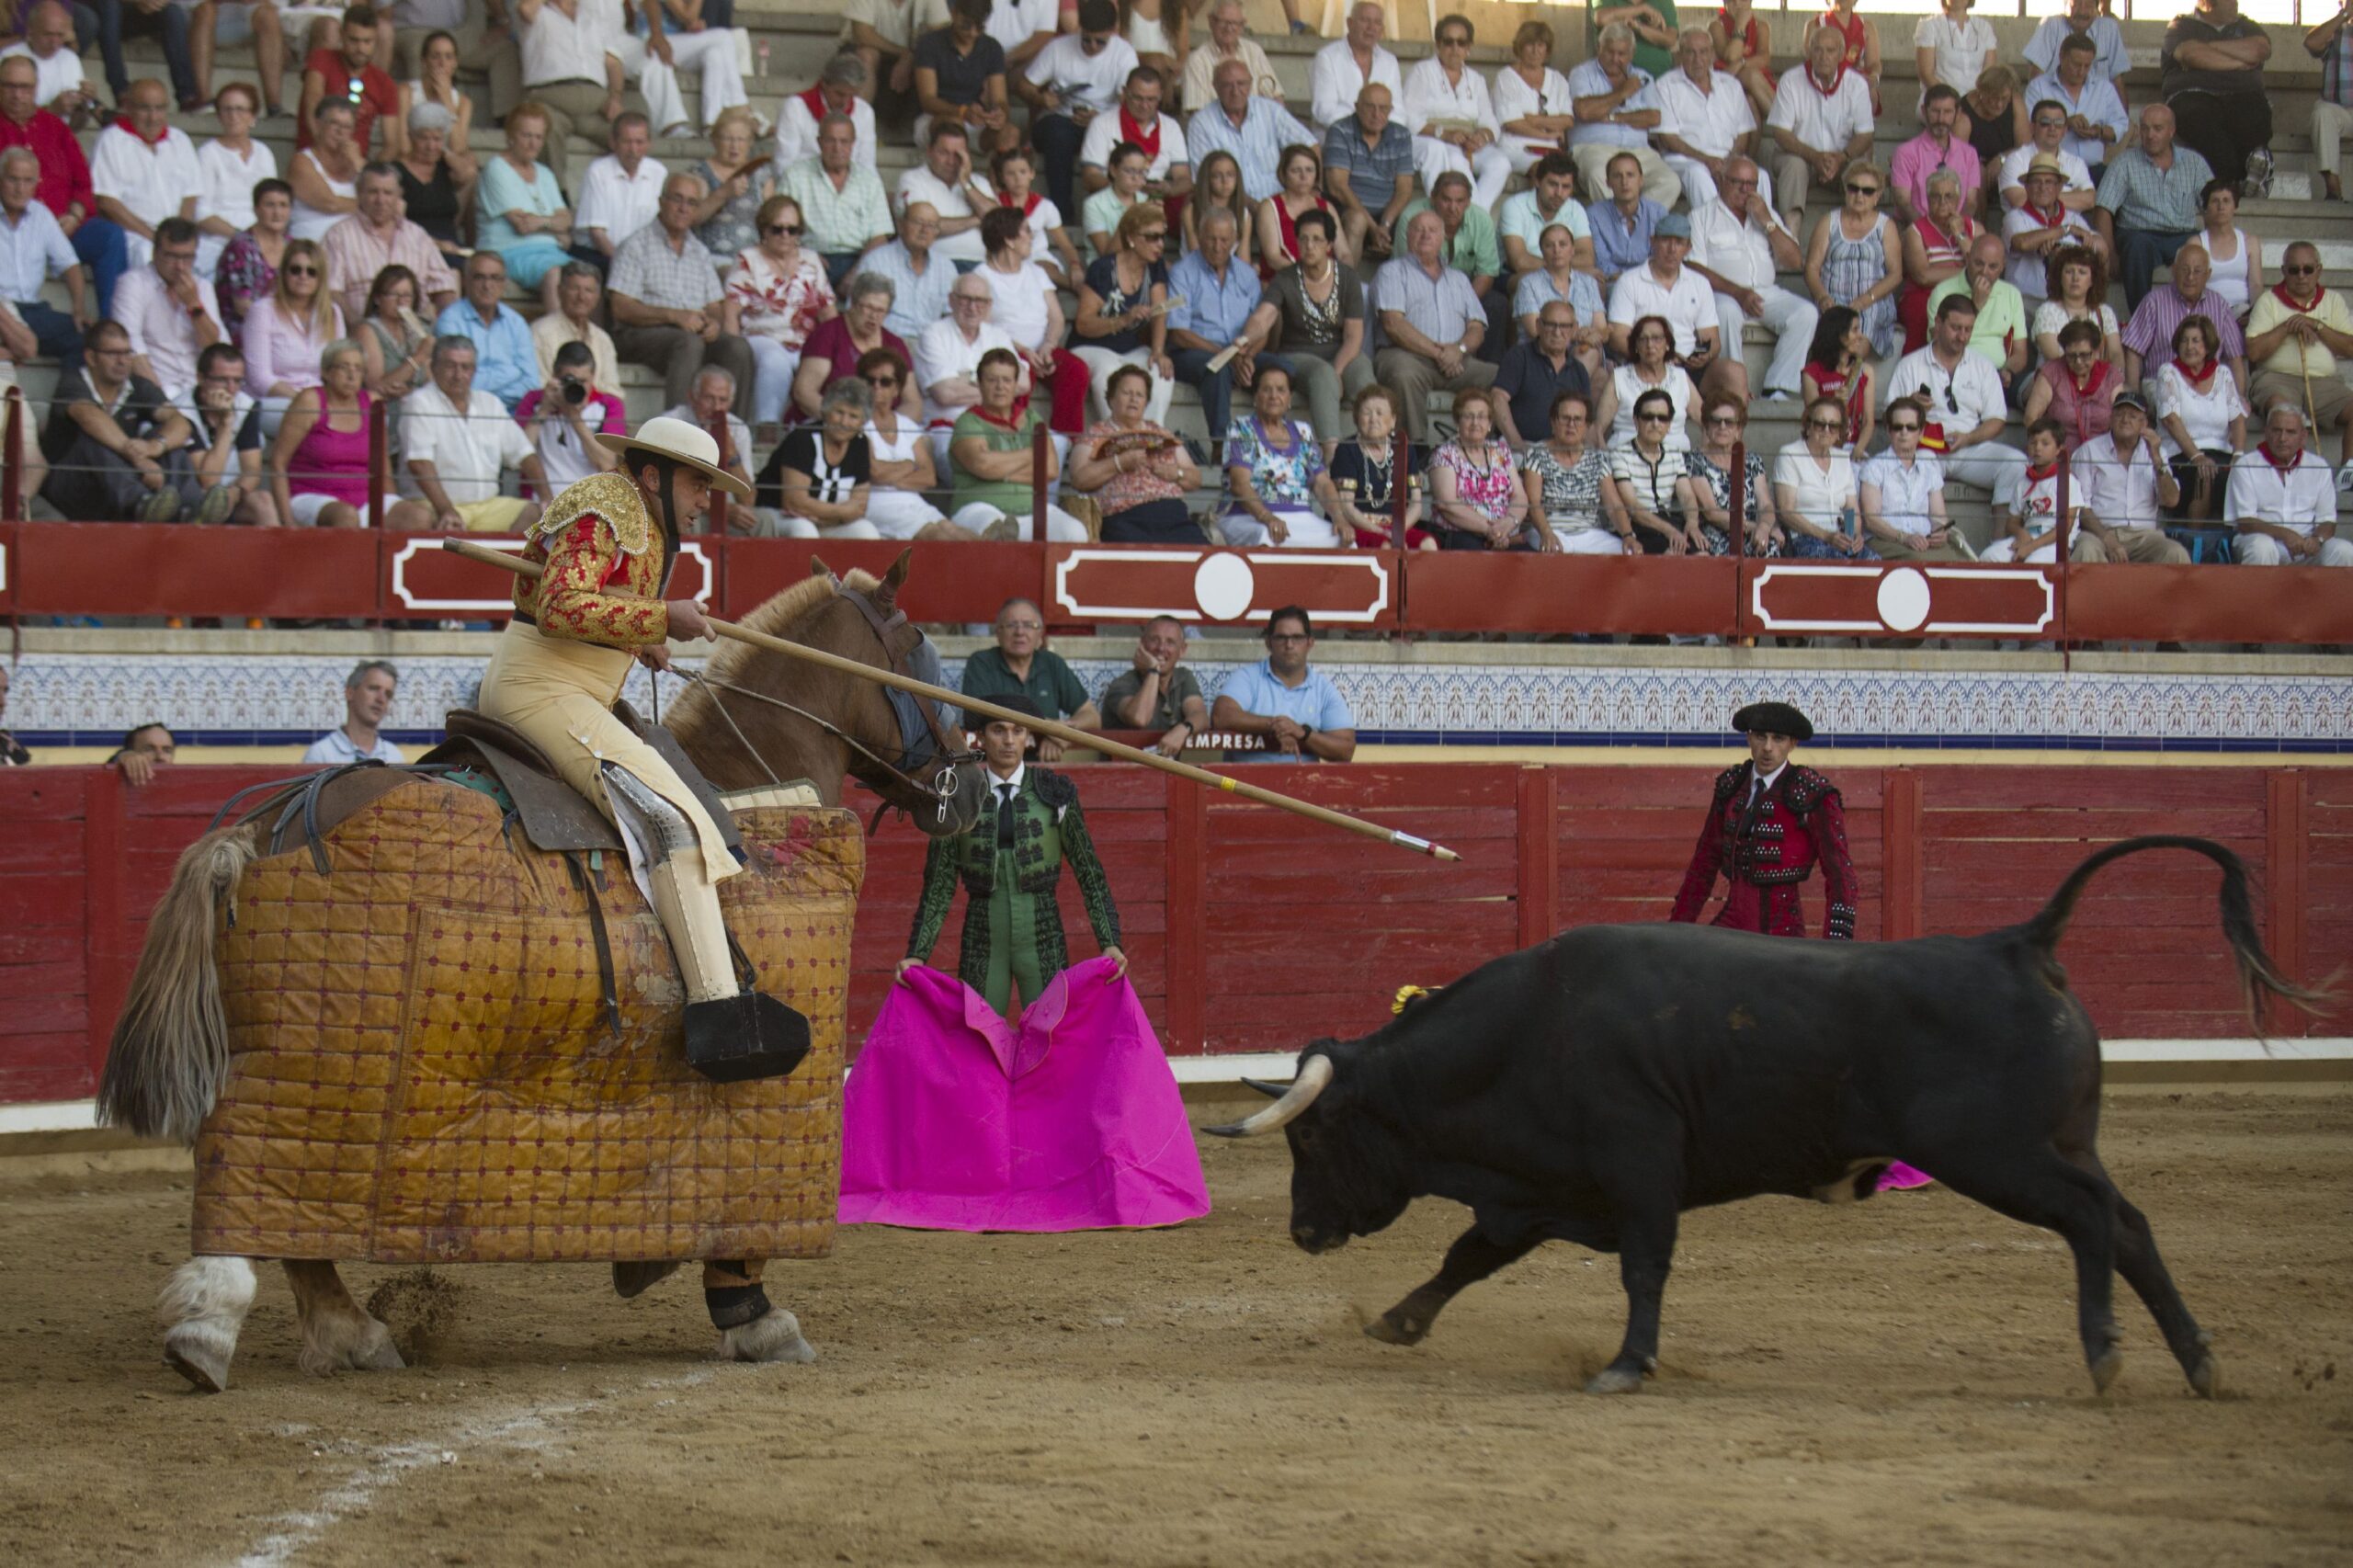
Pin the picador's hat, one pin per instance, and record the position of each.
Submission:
(683, 443)
(1773, 718)
(1014, 702)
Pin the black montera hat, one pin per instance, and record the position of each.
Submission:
(1015, 703)
(1773, 718)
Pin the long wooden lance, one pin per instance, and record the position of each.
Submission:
(1061, 731)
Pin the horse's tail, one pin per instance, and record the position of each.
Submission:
(2259, 974)
(171, 1045)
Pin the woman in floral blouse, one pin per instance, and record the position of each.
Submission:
(1273, 465)
(776, 293)
(1708, 467)
(1137, 473)
(248, 269)
(1474, 489)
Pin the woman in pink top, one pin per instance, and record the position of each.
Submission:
(318, 464)
(286, 331)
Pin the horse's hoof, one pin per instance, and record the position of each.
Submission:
(198, 1356)
(1615, 1380)
(1394, 1327)
(2205, 1372)
(377, 1353)
(2105, 1367)
(774, 1335)
(636, 1278)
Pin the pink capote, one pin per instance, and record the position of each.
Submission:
(956, 1118)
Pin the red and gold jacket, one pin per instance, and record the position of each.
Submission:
(1765, 853)
(606, 563)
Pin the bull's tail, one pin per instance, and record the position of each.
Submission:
(170, 1052)
(2259, 975)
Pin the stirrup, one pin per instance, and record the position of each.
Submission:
(752, 1035)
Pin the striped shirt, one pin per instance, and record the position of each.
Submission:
(2142, 196)
(1372, 171)
(1256, 143)
(2160, 314)
(2337, 70)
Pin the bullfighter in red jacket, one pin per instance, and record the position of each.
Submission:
(1769, 823)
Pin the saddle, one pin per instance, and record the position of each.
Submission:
(552, 814)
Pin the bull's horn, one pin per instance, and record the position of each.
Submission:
(1272, 1091)
(1312, 1080)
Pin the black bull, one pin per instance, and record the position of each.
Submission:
(1593, 1088)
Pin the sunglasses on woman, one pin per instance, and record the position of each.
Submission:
(301, 272)
(1825, 423)
(792, 229)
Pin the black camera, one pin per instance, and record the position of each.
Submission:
(575, 392)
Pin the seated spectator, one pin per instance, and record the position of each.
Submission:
(573, 68)
(64, 186)
(432, 196)
(2333, 105)
(999, 473)
(2123, 491)
(284, 334)
(1993, 122)
(2097, 123)
(1022, 665)
(736, 186)
(1705, 118)
(163, 308)
(230, 164)
(841, 201)
(565, 416)
(142, 751)
(1534, 373)
(1738, 246)
(1534, 104)
(1902, 493)
(377, 236)
(579, 290)
(2164, 307)
(712, 410)
(396, 344)
(947, 183)
(960, 75)
(1615, 106)
(144, 169)
(2085, 19)
(1476, 502)
(844, 86)
(1822, 119)
(839, 345)
(457, 441)
(1934, 249)
(1218, 290)
(1938, 149)
(1364, 497)
(1744, 47)
(1999, 323)
(1141, 124)
(2148, 201)
(1549, 199)
(368, 694)
(1838, 366)
(2077, 390)
(2295, 336)
(817, 478)
(2026, 523)
(520, 214)
(1218, 188)
(2237, 255)
(1468, 245)
(2039, 228)
(1452, 118)
(1567, 484)
(435, 87)
(711, 52)
(1433, 322)
(1050, 244)
(1126, 191)
(1274, 470)
(1251, 127)
(2074, 191)
(1708, 467)
(35, 251)
(1651, 366)
(777, 293)
(1952, 47)
(665, 293)
(508, 364)
(1646, 485)
(1344, 67)
(2285, 506)
(326, 174)
(2204, 418)
(1561, 280)
(919, 279)
(1029, 312)
(1228, 42)
(620, 193)
(1313, 311)
(1159, 693)
(899, 460)
(1855, 260)
(1276, 227)
(248, 269)
(1369, 171)
(223, 483)
(319, 468)
(2211, 73)
(1814, 490)
(1297, 708)
(1966, 407)
(1122, 311)
(345, 72)
(2077, 283)
(168, 26)
(115, 448)
(1858, 44)
(948, 356)
(1666, 287)
(50, 43)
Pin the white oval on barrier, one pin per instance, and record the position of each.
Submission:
(1223, 586)
(1904, 599)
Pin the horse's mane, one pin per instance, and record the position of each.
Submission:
(694, 708)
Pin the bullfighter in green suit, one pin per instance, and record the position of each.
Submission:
(1010, 864)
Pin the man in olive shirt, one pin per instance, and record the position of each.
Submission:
(1022, 663)
(1159, 693)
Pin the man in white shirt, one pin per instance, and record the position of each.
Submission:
(1168, 168)
(2084, 19)
(620, 193)
(1821, 122)
(2283, 501)
(1664, 287)
(579, 289)
(571, 66)
(145, 171)
(2120, 478)
(2096, 122)
(2049, 121)
(58, 84)
(33, 249)
(1074, 81)
(1966, 408)
(1227, 41)
(1738, 244)
(1616, 105)
(367, 698)
(948, 359)
(883, 34)
(841, 89)
(1342, 67)
(944, 182)
(1021, 28)
(1704, 118)
(166, 311)
(2042, 225)
(456, 442)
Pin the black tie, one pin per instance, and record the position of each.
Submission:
(1005, 814)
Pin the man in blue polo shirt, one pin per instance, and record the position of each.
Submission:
(1299, 710)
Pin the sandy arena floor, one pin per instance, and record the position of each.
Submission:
(1893, 1383)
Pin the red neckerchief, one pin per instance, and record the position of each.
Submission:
(1028, 203)
(986, 417)
(1131, 132)
(2036, 475)
(2100, 368)
(814, 101)
(2198, 381)
(123, 122)
(2279, 293)
(2051, 219)
(2275, 468)
(1836, 82)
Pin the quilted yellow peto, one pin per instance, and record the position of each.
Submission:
(422, 1072)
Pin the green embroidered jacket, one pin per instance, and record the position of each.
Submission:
(1049, 829)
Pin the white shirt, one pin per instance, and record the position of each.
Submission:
(335, 747)
(796, 132)
(150, 181)
(1689, 303)
(1630, 386)
(2077, 173)
(2119, 491)
(1515, 100)
(1082, 80)
(1903, 490)
(1021, 309)
(942, 354)
(2098, 102)
(1977, 387)
(1016, 22)
(2029, 272)
(1822, 124)
(33, 249)
(1334, 82)
(1200, 83)
(563, 457)
(619, 202)
(1760, 782)
(60, 73)
(1103, 134)
(468, 454)
(2299, 500)
(1816, 496)
(557, 48)
(159, 327)
(1430, 95)
(1734, 249)
(1960, 49)
(1712, 121)
(227, 191)
(919, 184)
(898, 21)
(2207, 415)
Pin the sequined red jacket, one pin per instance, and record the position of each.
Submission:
(607, 564)
(1766, 852)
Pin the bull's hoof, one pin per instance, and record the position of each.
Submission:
(200, 1355)
(1397, 1327)
(1616, 1379)
(636, 1278)
(774, 1335)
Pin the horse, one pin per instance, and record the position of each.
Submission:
(752, 718)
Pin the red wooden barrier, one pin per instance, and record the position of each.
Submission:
(1248, 932)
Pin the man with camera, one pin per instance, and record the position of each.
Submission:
(565, 416)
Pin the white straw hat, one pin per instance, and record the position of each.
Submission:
(688, 444)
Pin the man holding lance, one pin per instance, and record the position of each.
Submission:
(1769, 823)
